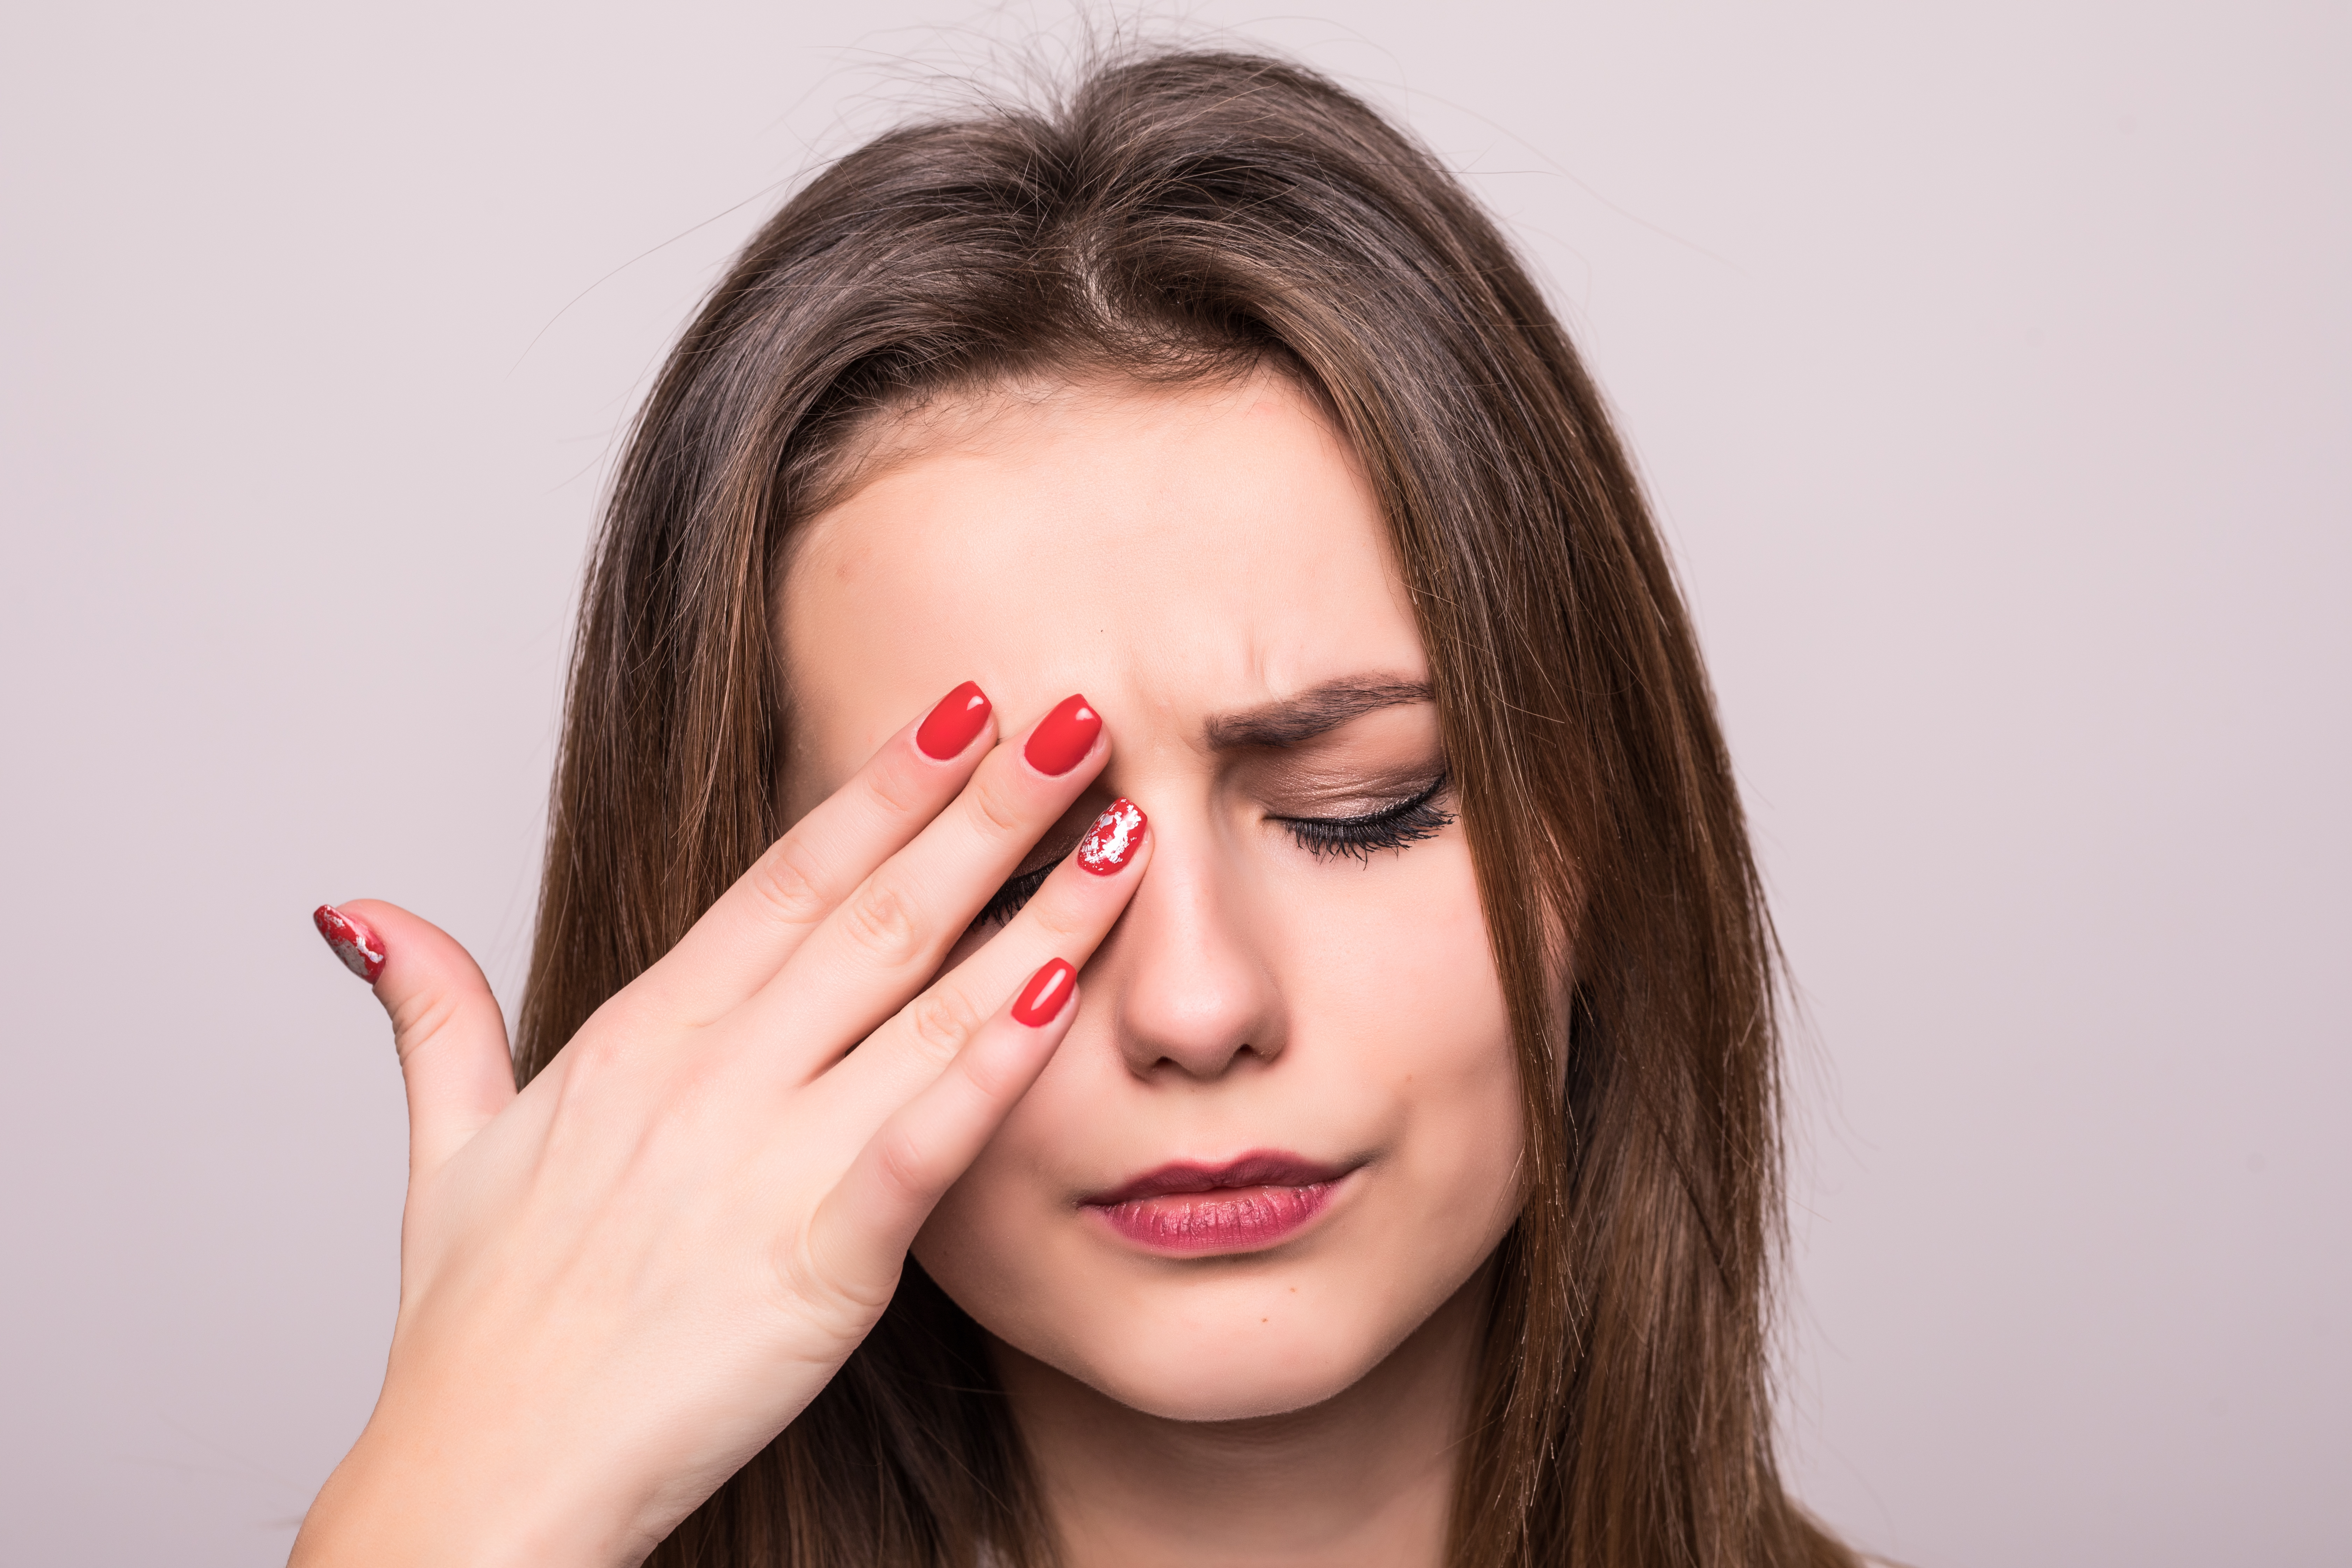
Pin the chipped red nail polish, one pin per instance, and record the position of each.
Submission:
(1111, 842)
(952, 725)
(1048, 990)
(359, 948)
(1063, 739)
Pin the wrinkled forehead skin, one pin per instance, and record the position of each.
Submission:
(1216, 545)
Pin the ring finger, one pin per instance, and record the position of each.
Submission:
(889, 936)
(1069, 917)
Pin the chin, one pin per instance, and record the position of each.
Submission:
(1224, 1339)
(1232, 1375)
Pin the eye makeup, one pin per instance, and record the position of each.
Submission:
(1360, 837)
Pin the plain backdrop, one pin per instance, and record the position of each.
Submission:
(1989, 365)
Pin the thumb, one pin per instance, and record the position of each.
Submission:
(445, 1025)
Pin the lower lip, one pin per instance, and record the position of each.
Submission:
(1227, 1220)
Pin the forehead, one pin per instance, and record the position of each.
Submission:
(1174, 552)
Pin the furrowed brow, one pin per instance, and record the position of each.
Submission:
(1314, 711)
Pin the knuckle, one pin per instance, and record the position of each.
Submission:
(898, 1160)
(940, 1021)
(882, 921)
(418, 1018)
(995, 805)
(594, 1056)
(786, 882)
(897, 791)
(1059, 916)
(992, 1075)
(809, 1290)
(650, 1006)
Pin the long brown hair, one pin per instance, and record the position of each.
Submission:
(1177, 216)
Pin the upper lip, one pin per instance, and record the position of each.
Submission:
(1260, 1168)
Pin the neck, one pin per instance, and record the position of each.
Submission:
(1364, 1478)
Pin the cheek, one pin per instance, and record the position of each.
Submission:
(1401, 965)
(1396, 1045)
(1418, 1036)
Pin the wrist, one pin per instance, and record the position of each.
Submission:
(400, 1499)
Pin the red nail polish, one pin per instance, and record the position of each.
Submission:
(952, 724)
(1062, 741)
(359, 948)
(1112, 841)
(1048, 991)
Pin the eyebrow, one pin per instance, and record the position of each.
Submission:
(1316, 710)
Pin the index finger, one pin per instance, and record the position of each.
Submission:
(761, 921)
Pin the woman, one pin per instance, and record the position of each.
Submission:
(1276, 1065)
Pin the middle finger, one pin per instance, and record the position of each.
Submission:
(890, 935)
(1067, 918)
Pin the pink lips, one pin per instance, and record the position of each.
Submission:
(1243, 1205)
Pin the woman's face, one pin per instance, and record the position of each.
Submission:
(1284, 1128)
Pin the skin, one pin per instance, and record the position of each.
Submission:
(1185, 556)
(620, 1283)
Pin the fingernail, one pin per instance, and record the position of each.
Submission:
(952, 724)
(1111, 842)
(1063, 740)
(1048, 990)
(358, 947)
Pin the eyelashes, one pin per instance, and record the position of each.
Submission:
(1360, 837)
(1356, 838)
(1011, 897)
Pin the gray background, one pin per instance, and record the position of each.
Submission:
(1987, 362)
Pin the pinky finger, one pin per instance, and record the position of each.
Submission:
(859, 1234)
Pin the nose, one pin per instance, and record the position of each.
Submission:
(1196, 994)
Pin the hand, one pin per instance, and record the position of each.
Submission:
(619, 1284)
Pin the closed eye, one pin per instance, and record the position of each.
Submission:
(1357, 837)
(1391, 828)
(1008, 899)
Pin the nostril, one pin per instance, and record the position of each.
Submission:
(1193, 984)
